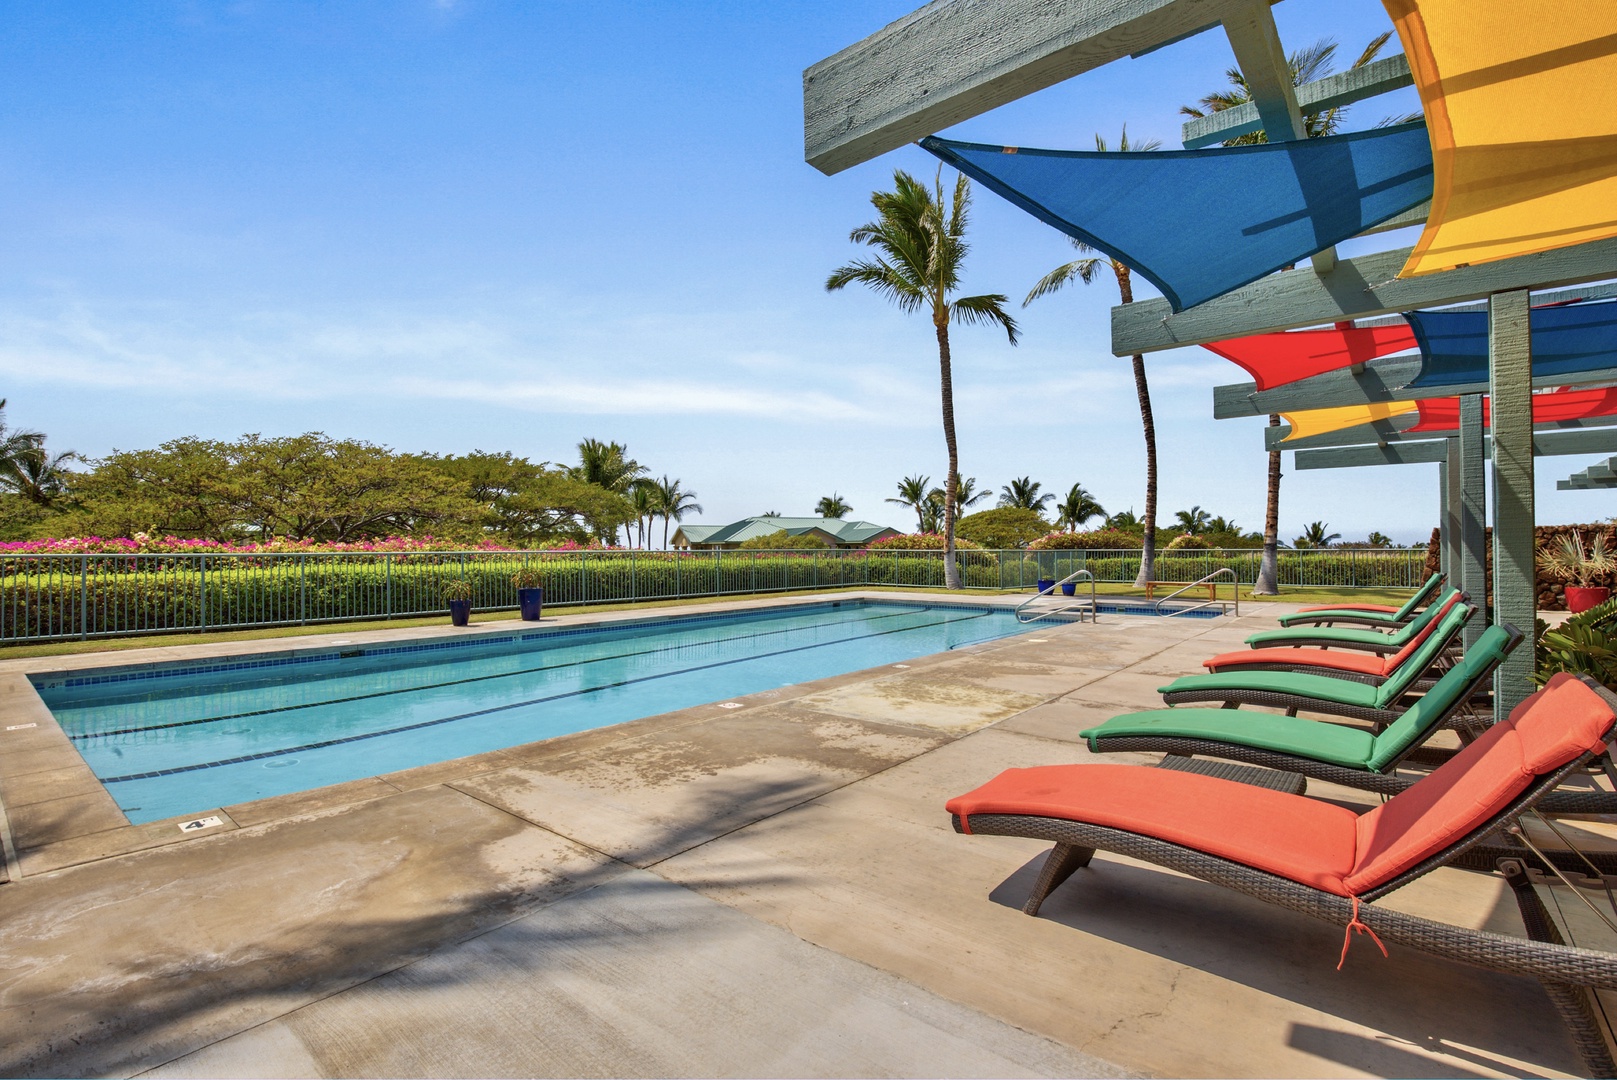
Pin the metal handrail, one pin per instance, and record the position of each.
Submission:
(1076, 575)
(1235, 587)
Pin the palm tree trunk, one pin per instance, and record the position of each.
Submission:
(951, 572)
(1268, 583)
(666, 518)
(1148, 424)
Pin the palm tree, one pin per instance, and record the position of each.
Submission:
(1315, 536)
(1194, 521)
(1084, 270)
(607, 465)
(912, 492)
(832, 506)
(1078, 507)
(17, 444)
(920, 246)
(673, 503)
(644, 498)
(1023, 494)
(965, 496)
(1307, 64)
(770, 513)
(35, 475)
(1378, 540)
(1123, 519)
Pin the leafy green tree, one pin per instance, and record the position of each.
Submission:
(782, 540)
(1023, 494)
(1307, 64)
(1078, 507)
(183, 487)
(607, 465)
(556, 506)
(1084, 270)
(1004, 527)
(832, 506)
(673, 503)
(1315, 536)
(912, 492)
(920, 246)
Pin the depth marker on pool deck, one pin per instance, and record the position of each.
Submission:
(209, 822)
(729, 704)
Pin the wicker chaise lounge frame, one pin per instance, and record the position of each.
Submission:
(1235, 696)
(1329, 616)
(1569, 974)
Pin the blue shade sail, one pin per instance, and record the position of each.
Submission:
(1567, 340)
(1198, 223)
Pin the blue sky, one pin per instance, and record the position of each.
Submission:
(466, 225)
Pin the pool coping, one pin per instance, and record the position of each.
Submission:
(55, 813)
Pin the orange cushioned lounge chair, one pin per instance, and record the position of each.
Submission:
(1327, 861)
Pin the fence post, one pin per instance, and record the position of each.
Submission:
(387, 588)
(84, 596)
(303, 588)
(634, 577)
(204, 605)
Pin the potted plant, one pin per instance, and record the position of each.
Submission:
(530, 592)
(1569, 561)
(458, 593)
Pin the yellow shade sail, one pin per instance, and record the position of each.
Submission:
(1306, 422)
(1519, 98)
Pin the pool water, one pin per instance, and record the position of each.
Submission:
(172, 739)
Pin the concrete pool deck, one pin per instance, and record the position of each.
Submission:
(773, 889)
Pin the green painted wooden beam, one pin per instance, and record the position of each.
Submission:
(1473, 507)
(1384, 379)
(1448, 525)
(1515, 585)
(952, 60)
(1545, 444)
(1357, 457)
(1344, 88)
(1363, 286)
(1602, 474)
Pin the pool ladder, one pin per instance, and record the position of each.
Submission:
(1235, 587)
(1062, 607)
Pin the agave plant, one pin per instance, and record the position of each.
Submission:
(1568, 560)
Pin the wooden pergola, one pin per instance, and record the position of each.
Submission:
(952, 60)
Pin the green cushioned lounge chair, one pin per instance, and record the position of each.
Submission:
(1322, 750)
(1379, 704)
(1372, 615)
(1344, 637)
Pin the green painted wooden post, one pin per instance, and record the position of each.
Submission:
(1450, 540)
(1473, 509)
(1515, 591)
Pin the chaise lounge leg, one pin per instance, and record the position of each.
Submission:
(1573, 1002)
(1058, 867)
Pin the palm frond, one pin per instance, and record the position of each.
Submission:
(988, 308)
(1079, 270)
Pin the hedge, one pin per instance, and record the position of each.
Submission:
(45, 597)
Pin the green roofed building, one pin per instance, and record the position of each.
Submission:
(834, 531)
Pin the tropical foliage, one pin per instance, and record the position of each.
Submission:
(312, 489)
(832, 506)
(1316, 534)
(1004, 527)
(1585, 644)
(1078, 507)
(1023, 494)
(919, 245)
(781, 540)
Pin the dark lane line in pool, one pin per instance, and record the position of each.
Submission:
(521, 704)
(82, 736)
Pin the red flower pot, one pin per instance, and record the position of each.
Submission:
(1581, 598)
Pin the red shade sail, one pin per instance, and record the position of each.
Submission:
(1276, 359)
(1443, 414)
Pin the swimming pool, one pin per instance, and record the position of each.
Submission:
(178, 738)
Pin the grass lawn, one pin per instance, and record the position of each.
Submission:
(146, 641)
